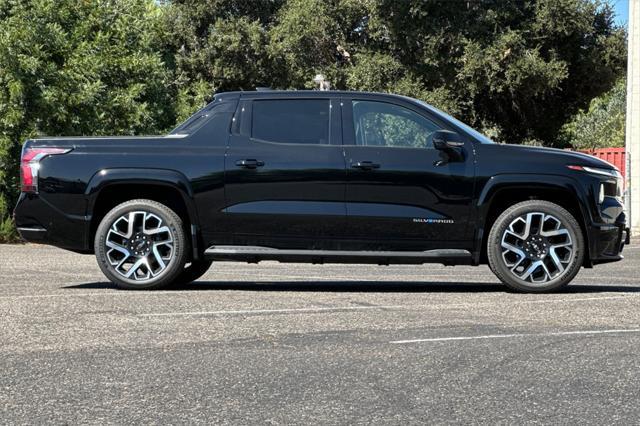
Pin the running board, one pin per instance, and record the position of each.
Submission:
(254, 254)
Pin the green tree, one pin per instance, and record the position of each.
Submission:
(77, 68)
(218, 45)
(602, 124)
(517, 70)
(521, 68)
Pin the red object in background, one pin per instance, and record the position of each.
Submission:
(615, 156)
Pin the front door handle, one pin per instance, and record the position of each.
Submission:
(365, 165)
(250, 163)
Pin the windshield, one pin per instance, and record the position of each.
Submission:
(470, 130)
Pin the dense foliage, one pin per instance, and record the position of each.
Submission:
(602, 124)
(518, 70)
(77, 68)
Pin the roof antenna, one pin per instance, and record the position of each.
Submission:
(321, 82)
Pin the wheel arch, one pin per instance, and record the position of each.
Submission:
(110, 187)
(503, 191)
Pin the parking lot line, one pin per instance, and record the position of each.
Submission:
(263, 311)
(453, 305)
(347, 308)
(105, 293)
(519, 335)
(574, 299)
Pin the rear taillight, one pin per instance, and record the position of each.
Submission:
(30, 164)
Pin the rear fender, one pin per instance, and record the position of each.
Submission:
(170, 178)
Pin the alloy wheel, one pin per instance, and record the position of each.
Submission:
(537, 247)
(139, 245)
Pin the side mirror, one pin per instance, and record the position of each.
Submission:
(446, 140)
(450, 146)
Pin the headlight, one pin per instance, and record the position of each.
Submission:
(612, 187)
(598, 171)
(605, 172)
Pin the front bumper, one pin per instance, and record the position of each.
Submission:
(607, 242)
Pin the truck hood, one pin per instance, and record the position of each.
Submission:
(554, 154)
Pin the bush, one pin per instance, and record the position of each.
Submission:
(602, 125)
(77, 68)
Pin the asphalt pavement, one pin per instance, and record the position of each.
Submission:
(315, 344)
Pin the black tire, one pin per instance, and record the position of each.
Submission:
(173, 254)
(528, 252)
(193, 271)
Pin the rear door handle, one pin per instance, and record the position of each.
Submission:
(249, 163)
(365, 165)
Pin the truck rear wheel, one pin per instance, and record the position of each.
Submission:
(140, 244)
(535, 246)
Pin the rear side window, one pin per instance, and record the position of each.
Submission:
(303, 121)
(214, 119)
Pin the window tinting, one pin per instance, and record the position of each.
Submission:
(197, 120)
(291, 121)
(385, 124)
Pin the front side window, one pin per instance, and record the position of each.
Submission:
(303, 121)
(385, 124)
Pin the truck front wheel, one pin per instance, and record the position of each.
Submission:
(535, 246)
(140, 244)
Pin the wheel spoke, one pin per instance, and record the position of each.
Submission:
(556, 260)
(159, 231)
(508, 233)
(125, 254)
(513, 248)
(512, 229)
(555, 233)
(117, 247)
(514, 266)
(134, 268)
(540, 219)
(560, 245)
(545, 278)
(158, 258)
(535, 265)
(527, 227)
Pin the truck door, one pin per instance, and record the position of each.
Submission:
(285, 173)
(399, 193)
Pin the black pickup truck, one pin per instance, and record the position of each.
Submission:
(320, 176)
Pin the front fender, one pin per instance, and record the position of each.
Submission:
(526, 182)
